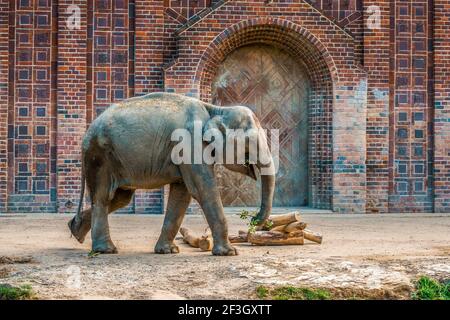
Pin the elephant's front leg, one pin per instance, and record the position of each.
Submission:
(201, 183)
(179, 199)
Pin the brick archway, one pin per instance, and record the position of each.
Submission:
(308, 51)
(291, 37)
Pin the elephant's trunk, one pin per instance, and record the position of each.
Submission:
(267, 190)
(266, 167)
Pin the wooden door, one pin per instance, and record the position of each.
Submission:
(276, 88)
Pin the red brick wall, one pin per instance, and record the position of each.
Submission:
(72, 97)
(4, 48)
(442, 105)
(183, 10)
(411, 105)
(339, 10)
(387, 155)
(31, 107)
(376, 62)
(149, 46)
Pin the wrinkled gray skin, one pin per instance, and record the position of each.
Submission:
(129, 146)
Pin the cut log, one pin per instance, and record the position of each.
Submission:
(291, 227)
(312, 236)
(243, 233)
(238, 238)
(295, 226)
(283, 219)
(275, 238)
(205, 243)
(189, 238)
(278, 228)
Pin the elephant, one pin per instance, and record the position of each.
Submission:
(129, 146)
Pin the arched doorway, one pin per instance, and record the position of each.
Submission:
(276, 87)
(300, 47)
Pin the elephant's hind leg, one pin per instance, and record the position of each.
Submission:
(201, 183)
(101, 239)
(80, 225)
(179, 199)
(121, 199)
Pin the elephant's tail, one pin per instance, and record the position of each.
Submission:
(83, 183)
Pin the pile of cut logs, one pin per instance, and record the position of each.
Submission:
(283, 229)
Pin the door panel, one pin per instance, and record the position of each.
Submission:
(276, 88)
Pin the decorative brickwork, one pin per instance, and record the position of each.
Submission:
(411, 88)
(378, 130)
(110, 57)
(4, 61)
(342, 12)
(32, 107)
(442, 106)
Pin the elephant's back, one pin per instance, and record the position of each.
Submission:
(153, 102)
(170, 108)
(144, 125)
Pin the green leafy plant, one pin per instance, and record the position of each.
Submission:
(252, 226)
(253, 223)
(8, 292)
(431, 289)
(262, 292)
(93, 254)
(244, 215)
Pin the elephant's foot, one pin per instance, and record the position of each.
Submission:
(106, 247)
(166, 247)
(79, 227)
(224, 250)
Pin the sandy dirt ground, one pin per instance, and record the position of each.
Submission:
(378, 255)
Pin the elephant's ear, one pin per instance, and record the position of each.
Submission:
(215, 122)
